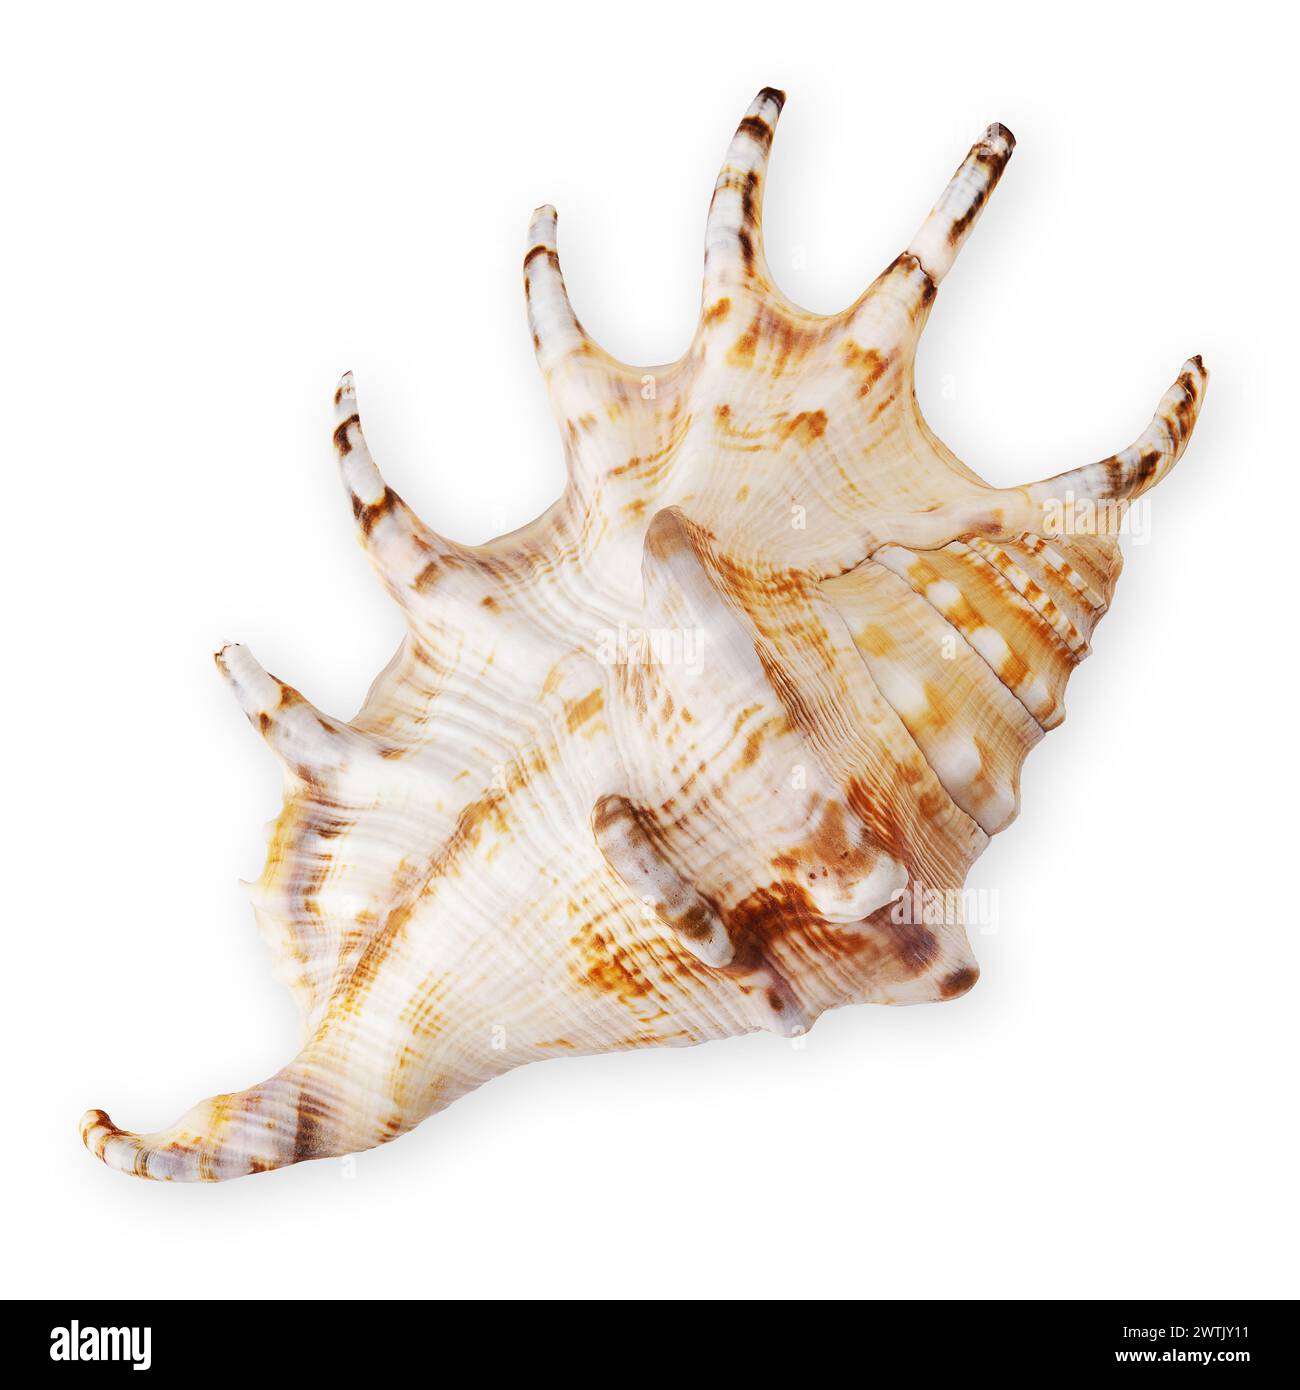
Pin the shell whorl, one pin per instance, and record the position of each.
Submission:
(655, 768)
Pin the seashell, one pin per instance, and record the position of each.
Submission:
(659, 767)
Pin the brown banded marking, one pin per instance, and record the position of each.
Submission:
(960, 982)
(378, 990)
(774, 341)
(1045, 601)
(805, 428)
(732, 238)
(990, 563)
(941, 698)
(342, 441)
(758, 130)
(943, 232)
(1054, 562)
(868, 364)
(369, 514)
(989, 162)
(716, 312)
(982, 633)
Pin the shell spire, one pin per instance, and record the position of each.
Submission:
(733, 239)
(403, 550)
(1038, 507)
(555, 328)
(228, 1136)
(708, 747)
(306, 741)
(952, 219)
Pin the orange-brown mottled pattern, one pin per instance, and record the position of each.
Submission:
(442, 889)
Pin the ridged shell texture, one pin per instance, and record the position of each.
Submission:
(658, 767)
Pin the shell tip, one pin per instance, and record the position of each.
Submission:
(90, 1119)
(542, 226)
(998, 133)
(95, 1127)
(226, 655)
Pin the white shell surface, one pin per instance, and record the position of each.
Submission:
(657, 767)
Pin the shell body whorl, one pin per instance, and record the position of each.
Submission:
(658, 767)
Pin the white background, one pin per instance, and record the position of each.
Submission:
(211, 212)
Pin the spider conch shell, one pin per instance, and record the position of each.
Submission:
(661, 766)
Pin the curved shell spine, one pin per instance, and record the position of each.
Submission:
(655, 768)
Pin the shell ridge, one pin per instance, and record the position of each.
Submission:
(708, 747)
